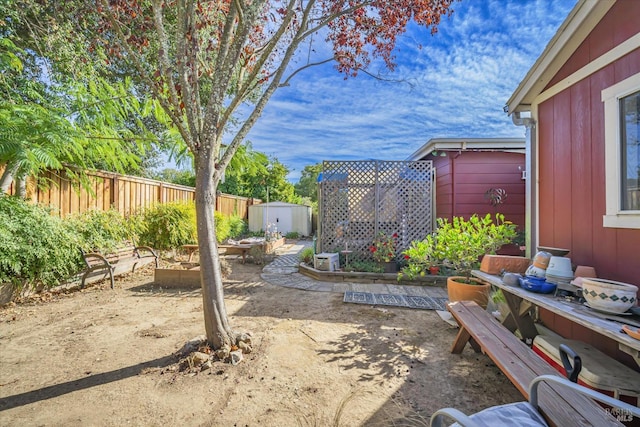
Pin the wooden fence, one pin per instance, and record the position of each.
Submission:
(124, 193)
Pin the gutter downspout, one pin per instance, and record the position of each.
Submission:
(531, 208)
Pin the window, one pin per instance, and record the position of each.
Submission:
(629, 126)
(622, 153)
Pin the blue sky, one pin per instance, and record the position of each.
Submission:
(457, 85)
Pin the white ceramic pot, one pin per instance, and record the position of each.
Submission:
(560, 267)
(607, 295)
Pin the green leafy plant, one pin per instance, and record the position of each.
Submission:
(237, 226)
(306, 256)
(418, 257)
(461, 243)
(364, 266)
(169, 226)
(223, 227)
(383, 247)
(292, 235)
(101, 230)
(36, 248)
(498, 297)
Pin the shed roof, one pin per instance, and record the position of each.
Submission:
(473, 144)
(574, 30)
(279, 205)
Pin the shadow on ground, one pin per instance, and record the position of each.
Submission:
(92, 380)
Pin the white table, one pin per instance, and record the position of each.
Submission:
(521, 303)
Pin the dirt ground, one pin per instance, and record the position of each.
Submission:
(102, 357)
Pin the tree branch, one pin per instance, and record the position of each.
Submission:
(187, 66)
(137, 63)
(304, 67)
(268, 93)
(265, 53)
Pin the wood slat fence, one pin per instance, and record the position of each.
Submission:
(124, 193)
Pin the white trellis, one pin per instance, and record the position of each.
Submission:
(359, 199)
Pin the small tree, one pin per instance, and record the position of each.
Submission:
(203, 61)
(461, 243)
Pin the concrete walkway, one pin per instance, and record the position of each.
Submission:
(283, 271)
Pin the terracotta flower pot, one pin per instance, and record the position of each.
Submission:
(459, 291)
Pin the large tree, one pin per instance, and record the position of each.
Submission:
(214, 65)
(307, 186)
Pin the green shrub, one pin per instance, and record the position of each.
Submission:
(36, 248)
(237, 226)
(223, 227)
(461, 243)
(418, 257)
(292, 235)
(364, 266)
(259, 233)
(169, 226)
(100, 230)
(306, 256)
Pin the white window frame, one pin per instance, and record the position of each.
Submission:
(615, 217)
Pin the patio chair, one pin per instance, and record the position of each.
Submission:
(526, 413)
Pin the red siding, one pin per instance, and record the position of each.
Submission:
(444, 188)
(572, 171)
(463, 178)
(619, 24)
(571, 167)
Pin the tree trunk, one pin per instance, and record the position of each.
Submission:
(7, 177)
(21, 187)
(218, 331)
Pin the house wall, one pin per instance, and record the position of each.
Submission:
(462, 179)
(571, 154)
(571, 165)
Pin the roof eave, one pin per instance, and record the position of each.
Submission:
(581, 21)
(476, 144)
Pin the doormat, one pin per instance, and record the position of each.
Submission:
(408, 301)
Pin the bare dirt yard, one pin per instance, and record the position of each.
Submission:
(102, 357)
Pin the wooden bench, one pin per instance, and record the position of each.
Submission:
(123, 260)
(559, 406)
(242, 249)
(190, 249)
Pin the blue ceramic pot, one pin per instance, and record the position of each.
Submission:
(536, 284)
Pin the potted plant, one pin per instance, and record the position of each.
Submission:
(462, 243)
(383, 250)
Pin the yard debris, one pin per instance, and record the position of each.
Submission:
(244, 347)
(192, 345)
(236, 357)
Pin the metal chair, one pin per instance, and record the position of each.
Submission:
(526, 413)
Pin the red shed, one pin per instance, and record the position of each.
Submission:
(580, 103)
(477, 175)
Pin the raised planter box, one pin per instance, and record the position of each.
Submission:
(363, 277)
(171, 278)
(271, 246)
(6, 293)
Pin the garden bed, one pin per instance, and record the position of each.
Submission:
(177, 278)
(365, 277)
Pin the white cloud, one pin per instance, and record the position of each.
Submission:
(460, 81)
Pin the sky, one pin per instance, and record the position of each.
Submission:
(455, 86)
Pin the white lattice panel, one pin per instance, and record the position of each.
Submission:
(358, 199)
